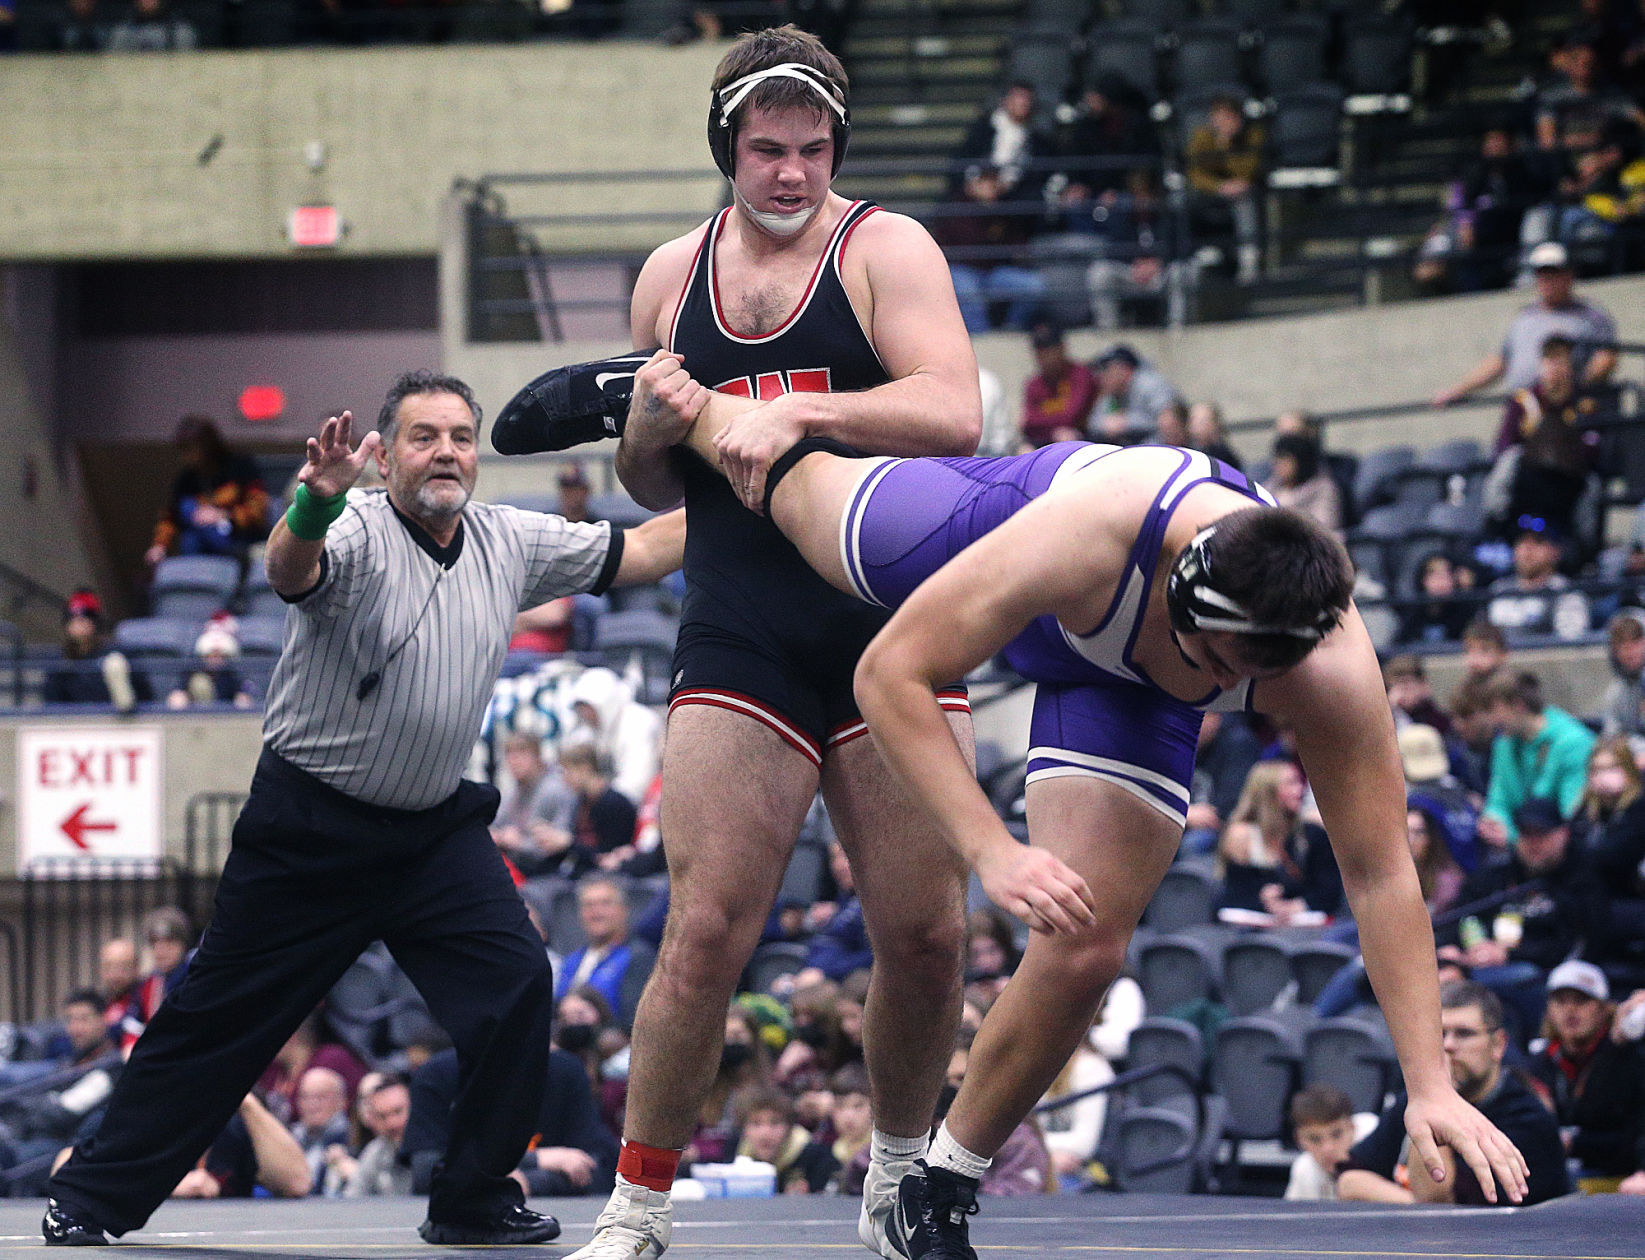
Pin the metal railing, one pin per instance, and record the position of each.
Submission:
(1124, 1080)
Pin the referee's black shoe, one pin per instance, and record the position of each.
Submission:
(517, 1224)
(929, 1221)
(65, 1226)
(567, 406)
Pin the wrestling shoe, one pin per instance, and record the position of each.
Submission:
(929, 1222)
(567, 406)
(65, 1226)
(879, 1200)
(517, 1224)
(636, 1225)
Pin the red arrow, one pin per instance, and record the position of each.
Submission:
(75, 827)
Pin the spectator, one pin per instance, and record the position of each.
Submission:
(771, 1134)
(1539, 751)
(1474, 247)
(1409, 694)
(575, 1153)
(991, 951)
(217, 506)
(254, 1150)
(1225, 169)
(320, 1126)
(1301, 482)
(1431, 787)
(1437, 871)
(1470, 708)
(170, 939)
(534, 821)
(1612, 819)
(1475, 1044)
(1223, 758)
(839, 944)
(1536, 598)
(90, 673)
(604, 818)
(1545, 896)
(81, 28)
(547, 628)
(1484, 648)
(1326, 1128)
(1623, 709)
(612, 963)
(1444, 606)
(628, 734)
(1006, 142)
(850, 1126)
(1556, 312)
(1624, 563)
(1105, 139)
(1058, 397)
(385, 1110)
(1143, 258)
(1071, 1133)
(117, 978)
(1130, 396)
(152, 27)
(985, 247)
(1205, 433)
(216, 681)
(1597, 1085)
(1569, 113)
(303, 1050)
(1272, 860)
(744, 1061)
(586, 1028)
(575, 492)
(1546, 451)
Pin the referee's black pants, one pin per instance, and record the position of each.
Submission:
(312, 879)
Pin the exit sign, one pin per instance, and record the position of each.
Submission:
(313, 227)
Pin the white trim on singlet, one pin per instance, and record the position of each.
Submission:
(1177, 817)
(856, 499)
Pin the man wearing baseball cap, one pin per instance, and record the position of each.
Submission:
(1557, 312)
(1597, 1085)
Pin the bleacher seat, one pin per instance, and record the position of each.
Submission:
(1313, 964)
(1350, 1055)
(1129, 50)
(257, 597)
(1208, 51)
(643, 636)
(158, 647)
(1185, 898)
(1461, 455)
(1063, 15)
(1375, 469)
(261, 636)
(1376, 56)
(651, 595)
(1454, 520)
(1292, 52)
(1174, 971)
(1153, 1151)
(1045, 58)
(619, 509)
(1306, 129)
(193, 587)
(1162, 14)
(772, 961)
(1254, 1064)
(1161, 1039)
(1255, 13)
(1256, 970)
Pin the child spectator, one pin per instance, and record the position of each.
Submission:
(852, 1123)
(770, 1134)
(1623, 709)
(216, 681)
(1326, 1128)
(1484, 648)
(90, 673)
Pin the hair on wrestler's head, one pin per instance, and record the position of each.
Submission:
(1285, 569)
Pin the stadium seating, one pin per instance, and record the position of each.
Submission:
(193, 587)
(1175, 971)
(1350, 1055)
(1292, 53)
(1185, 898)
(1254, 1065)
(1314, 963)
(1256, 970)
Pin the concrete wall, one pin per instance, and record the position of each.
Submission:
(107, 156)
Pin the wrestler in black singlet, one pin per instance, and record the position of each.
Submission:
(761, 633)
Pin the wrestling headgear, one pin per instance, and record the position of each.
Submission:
(1194, 603)
(722, 109)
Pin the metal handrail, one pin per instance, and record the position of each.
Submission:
(1133, 1077)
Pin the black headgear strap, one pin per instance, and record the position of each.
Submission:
(722, 109)
(1194, 603)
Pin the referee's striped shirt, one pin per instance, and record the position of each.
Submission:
(385, 583)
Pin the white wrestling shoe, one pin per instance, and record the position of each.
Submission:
(636, 1225)
(879, 1200)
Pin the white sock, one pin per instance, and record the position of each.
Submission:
(946, 1153)
(888, 1148)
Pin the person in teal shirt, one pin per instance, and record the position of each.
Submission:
(1539, 750)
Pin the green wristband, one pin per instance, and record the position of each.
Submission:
(309, 516)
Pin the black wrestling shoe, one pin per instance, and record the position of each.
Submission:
(929, 1221)
(517, 1224)
(567, 406)
(64, 1226)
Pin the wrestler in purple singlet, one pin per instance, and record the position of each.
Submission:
(1097, 712)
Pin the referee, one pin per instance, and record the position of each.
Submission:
(359, 825)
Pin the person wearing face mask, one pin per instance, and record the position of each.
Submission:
(1612, 817)
(743, 1062)
(585, 1027)
(841, 319)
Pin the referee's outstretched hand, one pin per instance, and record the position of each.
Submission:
(333, 466)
